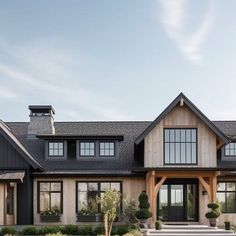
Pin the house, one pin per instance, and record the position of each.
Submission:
(181, 159)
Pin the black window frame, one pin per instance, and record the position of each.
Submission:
(107, 141)
(10, 200)
(225, 194)
(87, 141)
(38, 194)
(63, 148)
(99, 192)
(179, 163)
(225, 148)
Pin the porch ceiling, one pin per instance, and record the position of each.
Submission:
(16, 176)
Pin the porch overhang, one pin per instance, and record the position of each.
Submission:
(12, 176)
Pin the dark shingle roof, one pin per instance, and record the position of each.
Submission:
(129, 129)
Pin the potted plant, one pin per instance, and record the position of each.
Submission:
(143, 214)
(89, 213)
(213, 214)
(227, 225)
(52, 215)
(158, 225)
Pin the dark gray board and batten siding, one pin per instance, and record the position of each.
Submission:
(10, 159)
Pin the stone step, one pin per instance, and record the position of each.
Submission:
(190, 234)
(189, 231)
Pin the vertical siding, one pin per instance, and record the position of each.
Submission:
(180, 117)
(131, 186)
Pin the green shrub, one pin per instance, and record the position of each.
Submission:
(158, 225)
(85, 230)
(98, 230)
(215, 212)
(213, 205)
(50, 230)
(123, 229)
(57, 234)
(31, 230)
(143, 200)
(70, 230)
(8, 230)
(143, 212)
(135, 232)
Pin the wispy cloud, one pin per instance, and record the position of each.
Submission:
(174, 16)
(41, 72)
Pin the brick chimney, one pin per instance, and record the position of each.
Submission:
(41, 120)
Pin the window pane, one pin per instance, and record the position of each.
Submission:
(230, 202)
(221, 200)
(102, 145)
(93, 186)
(55, 186)
(188, 135)
(82, 200)
(44, 186)
(55, 201)
(230, 186)
(111, 145)
(115, 186)
(102, 152)
(194, 153)
(56, 152)
(105, 186)
(51, 152)
(82, 145)
(50, 145)
(91, 145)
(56, 145)
(44, 201)
(177, 135)
(221, 186)
(172, 153)
(167, 154)
(60, 152)
(82, 186)
(167, 136)
(91, 152)
(182, 135)
(188, 152)
(172, 135)
(61, 145)
(183, 158)
(194, 135)
(112, 152)
(177, 152)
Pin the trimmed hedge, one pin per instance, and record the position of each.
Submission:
(69, 230)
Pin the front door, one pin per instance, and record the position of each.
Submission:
(178, 202)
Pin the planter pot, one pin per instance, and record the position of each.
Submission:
(143, 223)
(50, 218)
(227, 225)
(90, 218)
(212, 222)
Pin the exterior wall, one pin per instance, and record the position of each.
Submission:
(203, 201)
(180, 117)
(2, 210)
(131, 187)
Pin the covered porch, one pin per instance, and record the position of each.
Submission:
(8, 196)
(170, 187)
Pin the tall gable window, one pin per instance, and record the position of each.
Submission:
(87, 149)
(180, 146)
(107, 149)
(230, 149)
(55, 149)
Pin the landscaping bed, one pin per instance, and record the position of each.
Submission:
(86, 229)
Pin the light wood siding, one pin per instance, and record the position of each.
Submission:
(180, 117)
(2, 204)
(132, 187)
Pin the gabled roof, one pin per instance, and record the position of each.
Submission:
(193, 108)
(11, 138)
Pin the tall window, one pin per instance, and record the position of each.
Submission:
(107, 149)
(10, 199)
(55, 149)
(226, 195)
(49, 196)
(180, 146)
(230, 149)
(87, 149)
(87, 193)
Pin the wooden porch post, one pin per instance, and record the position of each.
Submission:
(213, 184)
(150, 188)
(206, 186)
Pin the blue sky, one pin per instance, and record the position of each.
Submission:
(117, 60)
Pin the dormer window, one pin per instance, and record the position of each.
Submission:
(55, 149)
(87, 149)
(230, 149)
(107, 149)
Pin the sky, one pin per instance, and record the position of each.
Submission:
(117, 60)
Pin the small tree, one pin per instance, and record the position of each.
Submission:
(143, 213)
(109, 204)
(129, 211)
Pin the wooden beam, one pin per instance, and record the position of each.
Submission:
(206, 186)
(184, 174)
